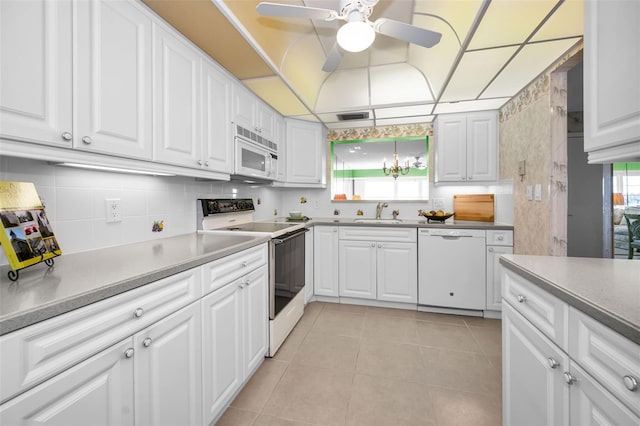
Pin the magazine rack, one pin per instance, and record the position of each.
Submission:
(14, 274)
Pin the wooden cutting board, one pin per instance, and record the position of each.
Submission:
(477, 207)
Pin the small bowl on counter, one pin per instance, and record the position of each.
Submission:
(295, 215)
(437, 216)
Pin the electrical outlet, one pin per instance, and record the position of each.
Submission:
(114, 212)
(438, 204)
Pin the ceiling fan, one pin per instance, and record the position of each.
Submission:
(358, 32)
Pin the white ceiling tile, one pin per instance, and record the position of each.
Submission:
(302, 67)
(567, 21)
(344, 90)
(404, 120)
(459, 15)
(474, 72)
(510, 22)
(396, 84)
(527, 65)
(350, 124)
(274, 92)
(479, 105)
(404, 111)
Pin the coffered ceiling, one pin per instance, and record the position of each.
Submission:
(489, 51)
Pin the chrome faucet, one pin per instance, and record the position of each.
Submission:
(381, 205)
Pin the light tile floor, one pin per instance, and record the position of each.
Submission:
(356, 365)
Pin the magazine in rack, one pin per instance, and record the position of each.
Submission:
(25, 231)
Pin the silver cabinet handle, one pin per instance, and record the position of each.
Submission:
(147, 342)
(490, 250)
(138, 312)
(199, 162)
(373, 244)
(522, 298)
(470, 177)
(87, 140)
(206, 163)
(67, 136)
(247, 282)
(241, 285)
(631, 383)
(500, 237)
(553, 364)
(244, 264)
(379, 245)
(568, 378)
(128, 353)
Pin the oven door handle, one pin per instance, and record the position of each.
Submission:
(278, 241)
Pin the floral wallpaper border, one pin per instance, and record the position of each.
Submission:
(421, 129)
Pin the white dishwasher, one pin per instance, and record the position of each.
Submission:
(451, 271)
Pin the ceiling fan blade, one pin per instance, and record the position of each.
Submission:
(291, 11)
(333, 59)
(406, 32)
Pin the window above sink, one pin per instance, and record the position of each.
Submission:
(357, 169)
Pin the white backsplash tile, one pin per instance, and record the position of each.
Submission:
(74, 204)
(75, 235)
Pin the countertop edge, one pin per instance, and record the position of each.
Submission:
(22, 319)
(620, 325)
(410, 224)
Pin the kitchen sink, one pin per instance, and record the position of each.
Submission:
(386, 221)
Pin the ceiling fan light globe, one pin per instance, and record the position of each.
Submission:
(355, 36)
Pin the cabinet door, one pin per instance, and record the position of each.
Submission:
(168, 370)
(592, 404)
(494, 289)
(397, 267)
(357, 276)
(216, 108)
(244, 108)
(177, 109)
(255, 295)
(35, 53)
(534, 393)
(611, 69)
(98, 391)
(113, 79)
(281, 140)
(308, 266)
(451, 148)
(325, 261)
(222, 349)
(266, 121)
(305, 154)
(482, 145)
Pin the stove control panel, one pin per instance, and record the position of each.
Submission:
(226, 205)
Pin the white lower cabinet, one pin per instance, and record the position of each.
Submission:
(168, 370)
(357, 269)
(325, 261)
(494, 292)
(151, 378)
(235, 337)
(546, 381)
(98, 391)
(533, 386)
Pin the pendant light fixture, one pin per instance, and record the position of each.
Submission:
(395, 170)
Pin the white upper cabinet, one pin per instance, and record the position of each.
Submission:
(217, 141)
(113, 79)
(177, 110)
(36, 77)
(305, 160)
(467, 147)
(282, 145)
(252, 114)
(611, 83)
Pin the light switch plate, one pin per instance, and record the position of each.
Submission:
(538, 192)
(529, 193)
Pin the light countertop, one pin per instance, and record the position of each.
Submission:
(608, 290)
(405, 223)
(76, 280)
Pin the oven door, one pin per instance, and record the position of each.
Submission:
(287, 270)
(251, 160)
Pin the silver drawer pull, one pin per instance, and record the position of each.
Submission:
(147, 342)
(631, 383)
(490, 250)
(244, 264)
(128, 353)
(87, 140)
(521, 298)
(568, 378)
(67, 136)
(500, 237)
(247, 282)
(138, 312)
(552, 363)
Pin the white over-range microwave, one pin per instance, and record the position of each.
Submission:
(255, 156)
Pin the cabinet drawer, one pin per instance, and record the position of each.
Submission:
(606, 355)
(499, 238)
(363, 233)
(222, 271)
(39, 351)
(545, 311)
